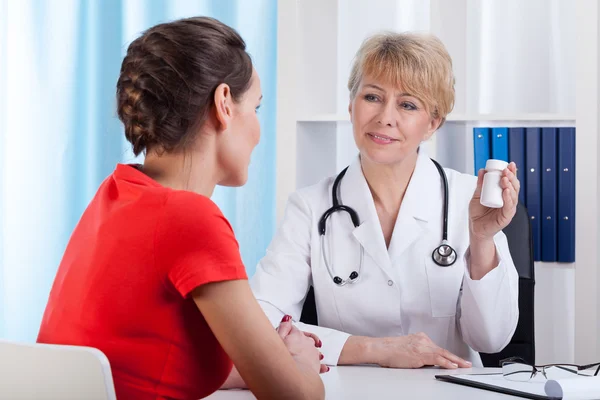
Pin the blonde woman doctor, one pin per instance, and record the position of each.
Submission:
(381, 295)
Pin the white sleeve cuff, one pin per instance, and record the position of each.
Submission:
(489, 306)
(495, 275)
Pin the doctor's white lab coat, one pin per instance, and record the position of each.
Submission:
(400, 290)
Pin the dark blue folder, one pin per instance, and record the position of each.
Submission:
(533, 195)
(566, 195)
(500, 144)
(481, 147)
(548, 173)
(516, 154)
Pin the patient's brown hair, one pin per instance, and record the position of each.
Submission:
(169, 76)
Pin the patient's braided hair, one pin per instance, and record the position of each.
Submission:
(169, 76)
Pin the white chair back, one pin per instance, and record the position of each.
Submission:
(49, 372)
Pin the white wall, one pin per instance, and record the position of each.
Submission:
(587, 285)
(555, 313)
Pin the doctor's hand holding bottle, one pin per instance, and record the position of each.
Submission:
(485, 222)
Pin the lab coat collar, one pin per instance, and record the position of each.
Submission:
(422, 198)
(355, 192)
(414, 214)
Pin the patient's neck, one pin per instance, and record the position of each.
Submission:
(194, 171)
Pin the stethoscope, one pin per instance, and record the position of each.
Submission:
(443, 255)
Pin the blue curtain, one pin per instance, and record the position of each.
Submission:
(60, 137)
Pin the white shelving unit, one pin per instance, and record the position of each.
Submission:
(316, 42)
(517, 118)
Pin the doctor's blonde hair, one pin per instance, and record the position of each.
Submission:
(418, 63)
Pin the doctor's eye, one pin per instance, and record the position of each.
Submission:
(407, 105)
(257, 108)
(371, 97)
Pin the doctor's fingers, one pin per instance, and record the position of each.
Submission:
(509, 208)
(511, 174)
(444, 362)
(510, 183)
(432, 354)
(454, 359)
(435, 357)
(506, 183)
(318, 342)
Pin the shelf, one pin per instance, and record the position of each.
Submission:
(456, 117)
(510, 117)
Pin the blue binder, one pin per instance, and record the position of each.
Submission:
(548, 173)
(566, 195)
(516, 153)
(500, 144)
(533, 196)
(481, 147)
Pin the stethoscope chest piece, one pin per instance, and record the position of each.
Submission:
(444, 255)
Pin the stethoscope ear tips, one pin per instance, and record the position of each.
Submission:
(444, 255)
(340, 282)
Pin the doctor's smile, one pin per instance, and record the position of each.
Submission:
(381, 139)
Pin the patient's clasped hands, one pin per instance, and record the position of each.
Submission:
(303, 346)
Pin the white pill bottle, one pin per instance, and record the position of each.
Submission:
(491, 192)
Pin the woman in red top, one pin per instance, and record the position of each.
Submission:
(152, 275)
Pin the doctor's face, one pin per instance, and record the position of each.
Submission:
(388, 123)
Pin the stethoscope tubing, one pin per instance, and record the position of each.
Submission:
(443, 255)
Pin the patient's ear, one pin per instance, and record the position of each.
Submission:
(223, 106)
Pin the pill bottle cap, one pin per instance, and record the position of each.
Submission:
(495, 165)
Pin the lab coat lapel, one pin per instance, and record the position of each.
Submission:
(355, 192)
(422, 195)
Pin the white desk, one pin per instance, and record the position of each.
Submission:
(366, 382)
